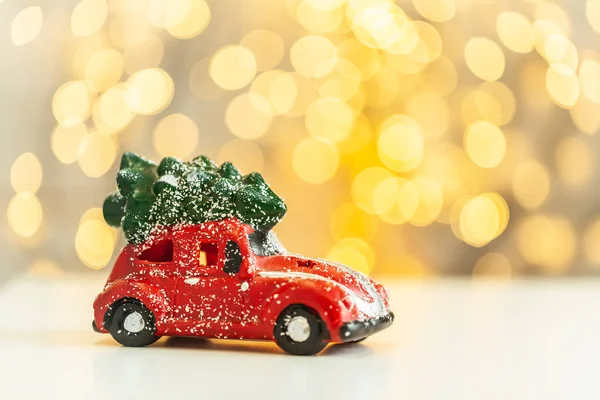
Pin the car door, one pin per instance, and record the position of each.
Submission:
(207, 296)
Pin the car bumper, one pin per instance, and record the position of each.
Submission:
(356, 330)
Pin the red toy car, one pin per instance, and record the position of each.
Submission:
(226, 280)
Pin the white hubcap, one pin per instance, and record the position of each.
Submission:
(134, 322)
(298, 329)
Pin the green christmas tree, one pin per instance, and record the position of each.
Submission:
(176, 192)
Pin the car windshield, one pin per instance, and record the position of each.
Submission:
(265, 243)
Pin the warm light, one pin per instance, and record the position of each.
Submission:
(233, 67)
(146, 53)
(485, 59)
(25, 214)
(592, 12)
(531, 184)
(66, 142)
(88, 17)
(515, 31)
(350, 221)
(480, 221)
(485, 144)
(94, 243)
(201, 84)
(436, 10)
(591, 240)
(365, 184)
(396, 200)
(422, 106)
(103, 69)
(367, 60)
(306, 93)
(492, 265)
(313, 56)
(329, 120)
(176, 135)
(319, 20)
(26, 25)
(353, 252)
(72, 103)
(267, 46)
(574, 161)
(589, 75)
(26, 174)
(586, 115)
(563, 85)
(314, 161)
(246, 155)
(431, 199)
(187, 18)
(342, 83)
(400, 147)
(97, 154)
(248, 116)
(149, 91)
(278, 87)
(113, 110)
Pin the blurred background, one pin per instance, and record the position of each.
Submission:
(414, 138)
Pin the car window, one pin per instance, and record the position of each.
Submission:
(160, 252)
(208, 254)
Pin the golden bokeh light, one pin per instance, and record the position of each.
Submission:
(113, 110)
(245, 154)
(66, 142)
(422, 105)
(187, 18)
(313, 56)
(515, 31)
(72, 103)
(26, 174)
(342, 83)
(143, 54)
(364, 185)
(400, 147)
(574, 161)
(396, 200)
(149, 91)
(436, 10)
(26, 25)
(97, 154)
(279, 88)
(201, 84)
(267, 47)
(175, 135)
(586, 115)
(88, 17)
(329, 120)
(431, 200)
(482, 219)
(353, 252)
(530, 184)
(233, 67)
(548, 242)
(485, 144)
(127, 29)
(366, 59)
(248, 116)
(319, 20)
(306, 93)
(103, 69)
(485, 59)
(493, 265)
(94, 243)
(591, 240)
(592, 12)
(350, 221)
(43, 267)
(589, 75)
(25, 214)
(315, 161)
(359, 137)
(563, 85)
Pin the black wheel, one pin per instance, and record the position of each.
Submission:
(357, 340)
(300, 331)
(133, 325)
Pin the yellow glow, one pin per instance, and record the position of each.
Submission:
(480, 221)
(350, 221)
(314, 161)
(359, 137)
(353, 252)
(396, 200)
(26, 174)
(440, 76)
(319, 20)
(542, 30)
(485, 59)
(329, 120)
(94, 243)
(515, 31)
(175, 135)
(72, 103)
(149, 91)
(103, 69)
(88, 17)
(25, 214)
(560, 49)
(248, 116)
(383, 88)
(429, 46)
(367, 60)
(26, 25)
(436, 10)
(278, 87)
(531, 184)
(233, 67)
(342, 83)
(201, 84)
(94, 213)
(586, 115)
(431, 199)
(422, 106)
(246, 155)
(574, 161)
(326, 4)
(492, 265)
(313, 56)
(589, 75)
(592, 12)
(267, 46)
(66, 142)
(563, 85)
(364, 186)
(44, 268)
(146, 53)
(400, 147)
(485, 144)
(546, 11)
(591, 240)
(113, 109)
(548, 242)
(306, 93)
(187, 18)
(97, 154)
(127, 29)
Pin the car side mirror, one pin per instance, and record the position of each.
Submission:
(233, 258)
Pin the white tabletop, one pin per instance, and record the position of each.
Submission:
(452, 339)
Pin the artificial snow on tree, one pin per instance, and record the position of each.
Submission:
(176, 192)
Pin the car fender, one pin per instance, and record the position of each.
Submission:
(323, 297)
(151, 296)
